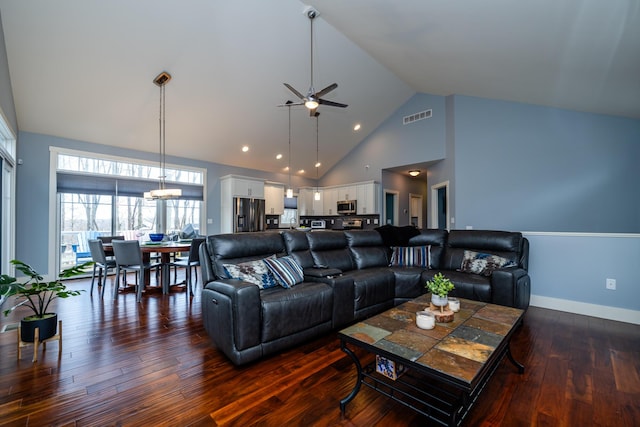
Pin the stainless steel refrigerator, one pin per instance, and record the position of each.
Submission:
(248, 215)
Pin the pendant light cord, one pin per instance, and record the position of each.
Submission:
(290, 148)
(163, 147)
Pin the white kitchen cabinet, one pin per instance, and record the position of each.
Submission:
(245, 187)
(367, 197)
(307, 204)
(347, 192)
(274, 198)
(330, 200)
(318, 205)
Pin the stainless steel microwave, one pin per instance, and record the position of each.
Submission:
(346, 207)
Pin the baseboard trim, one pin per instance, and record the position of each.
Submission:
(594, 310)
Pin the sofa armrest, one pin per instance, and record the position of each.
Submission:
(511, 287)
(231, 314)
(343, 298)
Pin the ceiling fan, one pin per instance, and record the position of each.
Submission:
(313, 99)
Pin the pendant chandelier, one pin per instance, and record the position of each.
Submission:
(163, 192)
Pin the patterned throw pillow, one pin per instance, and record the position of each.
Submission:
(411, 256)
(481, 263)
(286, 270)
(255, 272)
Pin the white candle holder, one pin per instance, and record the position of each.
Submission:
(425, 320)
(454, 304)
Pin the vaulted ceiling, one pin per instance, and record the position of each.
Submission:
(83, 69)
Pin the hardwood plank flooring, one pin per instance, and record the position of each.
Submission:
(151, 363)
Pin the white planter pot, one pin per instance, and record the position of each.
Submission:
(439, 301)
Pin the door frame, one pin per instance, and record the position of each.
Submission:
(434, 204)
(396, 202)
(419, 214)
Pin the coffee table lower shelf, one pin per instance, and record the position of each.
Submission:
(438, 401)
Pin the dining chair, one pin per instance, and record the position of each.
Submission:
(129, 258)
(101, 264)
(190, 262)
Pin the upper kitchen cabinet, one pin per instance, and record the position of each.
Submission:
(347, 192)
(307, 204)
(368, 197)
(241, 186)
(274, 198)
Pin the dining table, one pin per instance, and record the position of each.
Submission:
(165, 249)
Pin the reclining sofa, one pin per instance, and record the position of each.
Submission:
(267, 291)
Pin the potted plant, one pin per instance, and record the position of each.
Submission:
(439, 286)
(37, 295)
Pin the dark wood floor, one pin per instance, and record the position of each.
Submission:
(152, 363)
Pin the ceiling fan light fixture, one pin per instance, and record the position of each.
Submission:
(311, 104)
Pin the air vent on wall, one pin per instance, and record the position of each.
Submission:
(417, 116)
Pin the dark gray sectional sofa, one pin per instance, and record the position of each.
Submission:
(347, 276)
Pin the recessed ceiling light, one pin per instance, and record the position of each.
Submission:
(318, 164)
(414, 172)
(357, 127)
(245, 149)
(301, 171)
(278, 156)
(286, 168)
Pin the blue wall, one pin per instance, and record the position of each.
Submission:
(527, 167)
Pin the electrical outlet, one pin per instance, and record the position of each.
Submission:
(611, 284)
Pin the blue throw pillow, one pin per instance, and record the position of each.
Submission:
(286, 270)
(411, 256)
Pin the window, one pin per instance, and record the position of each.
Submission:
(104, 197)
(290, 216)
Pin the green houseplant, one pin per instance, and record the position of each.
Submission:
(439, 286)
(37, 294)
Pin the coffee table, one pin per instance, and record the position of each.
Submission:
(446, 367)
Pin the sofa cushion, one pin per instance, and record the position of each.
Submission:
(255, 272)
(373, 286)
(411, 256)
(471, 286)
(367, 248)
(286, 270)
(329, 248)
(289, 311)
(436, 239)
(482, 263)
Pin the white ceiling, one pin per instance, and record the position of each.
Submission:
(83, 69)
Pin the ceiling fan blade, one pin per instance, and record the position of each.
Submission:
(331, 103)
(298, 94)
(290, 104)
(326, 90)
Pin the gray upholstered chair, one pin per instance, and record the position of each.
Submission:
(101, 264)
(129, 258)
(191, 262)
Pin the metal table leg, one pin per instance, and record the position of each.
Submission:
(356, 387)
